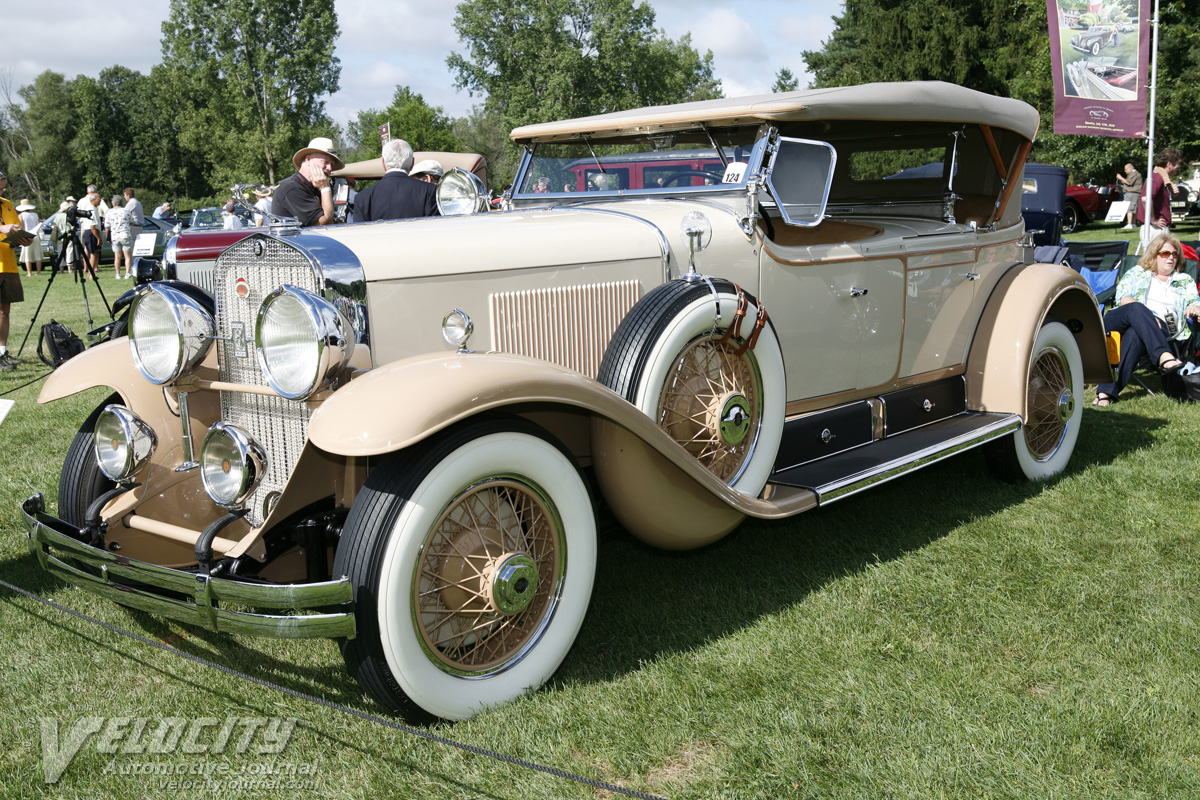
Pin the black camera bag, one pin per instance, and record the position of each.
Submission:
(58, 343)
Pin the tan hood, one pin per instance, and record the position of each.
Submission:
(495, 241)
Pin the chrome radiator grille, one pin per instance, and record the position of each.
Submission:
(280, 426)
(568, 325)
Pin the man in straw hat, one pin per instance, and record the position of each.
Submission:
(308, 195)
(31, 254)
(263, 205)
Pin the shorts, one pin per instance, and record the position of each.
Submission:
(122, 242)
(32, 252)
(91, 243)
(10, 288)
(1132, 198)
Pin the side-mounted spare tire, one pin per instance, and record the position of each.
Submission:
(712, 378)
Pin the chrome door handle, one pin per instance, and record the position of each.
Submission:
(856, 292)
(971, 276)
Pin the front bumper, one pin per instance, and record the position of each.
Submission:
(187, 596)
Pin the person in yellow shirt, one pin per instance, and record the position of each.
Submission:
(10, 278)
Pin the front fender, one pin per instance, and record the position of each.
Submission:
(398, 405)
(109, 364)
(998, 364)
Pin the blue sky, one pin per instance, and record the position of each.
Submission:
(385, 43)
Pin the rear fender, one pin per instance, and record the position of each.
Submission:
(998, 364)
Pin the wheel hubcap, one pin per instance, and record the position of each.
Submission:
(513, 583)
(1066, 406)
(487, 577)
(734, 419)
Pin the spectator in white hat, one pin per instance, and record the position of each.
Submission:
(428, 170)
(31, 254)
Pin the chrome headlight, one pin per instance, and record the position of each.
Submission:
(231, 464)
(122, 442)
(302, 341)
(169, 333)
(460, 192)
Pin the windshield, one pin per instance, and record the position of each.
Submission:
(679, 161)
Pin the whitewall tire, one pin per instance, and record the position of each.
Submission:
(1054, 391)
(472, 557)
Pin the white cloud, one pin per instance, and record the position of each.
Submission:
(385, 43)
(730, 37)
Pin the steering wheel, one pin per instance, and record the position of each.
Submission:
(690, 173)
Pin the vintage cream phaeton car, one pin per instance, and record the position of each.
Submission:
(395, 433)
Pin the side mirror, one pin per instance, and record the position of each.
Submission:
(798, 178)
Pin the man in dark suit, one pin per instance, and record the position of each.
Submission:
(397, 195)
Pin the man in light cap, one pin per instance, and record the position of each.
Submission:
(398, 195)
(428, 170)
(308, 195)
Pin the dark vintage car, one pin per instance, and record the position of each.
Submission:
(1042, 198)
(1094, 38)
(1087, 203)
(396, 434)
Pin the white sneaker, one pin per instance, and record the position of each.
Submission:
(1128, 228)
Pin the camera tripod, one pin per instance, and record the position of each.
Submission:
(70, 249)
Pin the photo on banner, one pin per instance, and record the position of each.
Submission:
(1100, 55)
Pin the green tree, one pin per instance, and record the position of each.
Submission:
(538, 60)
(483, 132)
(423, 126)
(250, 76)
(50, 122)
(785, 81)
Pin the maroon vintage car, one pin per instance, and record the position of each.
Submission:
(1087, 203)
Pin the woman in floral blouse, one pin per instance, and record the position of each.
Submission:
(1155, 303)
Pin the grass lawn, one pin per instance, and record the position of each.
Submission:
(944, 636)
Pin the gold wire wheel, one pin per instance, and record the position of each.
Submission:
(712, 403)
(1050, 401)
(488, 575)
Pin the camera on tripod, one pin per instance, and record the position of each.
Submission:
(73, 213)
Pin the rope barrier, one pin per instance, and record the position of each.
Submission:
(364, 715)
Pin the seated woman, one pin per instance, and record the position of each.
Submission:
(1154, 305)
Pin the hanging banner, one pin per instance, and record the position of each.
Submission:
(1100, 55)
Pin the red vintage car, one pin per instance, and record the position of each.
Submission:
(1087, 203)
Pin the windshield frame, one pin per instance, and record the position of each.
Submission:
(752, 154)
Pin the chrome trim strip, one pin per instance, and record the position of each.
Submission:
(662, 239)
(202, 596)
(883, 473)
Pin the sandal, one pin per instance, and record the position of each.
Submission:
(1103, 400)
(1171, 364)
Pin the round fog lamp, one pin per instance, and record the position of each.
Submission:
(231, 465)
(457, 328)
(122, 442)
(460, 192)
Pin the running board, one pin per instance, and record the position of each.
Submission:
(851, 472)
